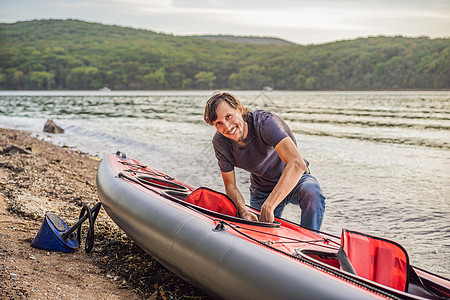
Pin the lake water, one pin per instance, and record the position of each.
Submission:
(382, 158)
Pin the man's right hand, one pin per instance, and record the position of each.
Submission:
(247, 215)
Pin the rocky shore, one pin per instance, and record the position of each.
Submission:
(36, 177)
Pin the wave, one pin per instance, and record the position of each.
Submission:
(421, 142)
(369, 123)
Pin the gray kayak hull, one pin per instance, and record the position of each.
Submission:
(220, 262)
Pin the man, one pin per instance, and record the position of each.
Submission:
(261, 143)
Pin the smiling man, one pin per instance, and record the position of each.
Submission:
(261, 143)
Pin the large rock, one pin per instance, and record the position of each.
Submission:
(51, 127)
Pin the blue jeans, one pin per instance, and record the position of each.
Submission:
(307, 194)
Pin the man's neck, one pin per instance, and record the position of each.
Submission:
(241, 144)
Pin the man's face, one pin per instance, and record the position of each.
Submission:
(230, 123)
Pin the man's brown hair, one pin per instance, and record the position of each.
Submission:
(211, 105)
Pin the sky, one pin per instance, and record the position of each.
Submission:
(298, 21)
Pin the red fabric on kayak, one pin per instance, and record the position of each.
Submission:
(213, 200)
(377, 259)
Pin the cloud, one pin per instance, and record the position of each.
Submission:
(296, 20)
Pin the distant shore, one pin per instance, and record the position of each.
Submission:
(234, 90)
(37, 176)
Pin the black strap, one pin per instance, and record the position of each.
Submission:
(345, 263)
(86, 213)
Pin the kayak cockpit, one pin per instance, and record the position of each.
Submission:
(212, 203)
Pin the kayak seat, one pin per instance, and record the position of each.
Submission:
(213, 200)
(377, 259)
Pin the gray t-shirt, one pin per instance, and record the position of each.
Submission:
(265, 131)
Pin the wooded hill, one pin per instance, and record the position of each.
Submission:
(245, 39)
(71, 54)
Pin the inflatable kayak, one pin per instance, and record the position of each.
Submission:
(197, 234)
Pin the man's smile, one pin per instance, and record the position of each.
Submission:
(232, 131)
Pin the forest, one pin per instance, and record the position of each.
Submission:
(78, 55)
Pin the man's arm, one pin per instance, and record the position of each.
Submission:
(231, 189)
(295, 167)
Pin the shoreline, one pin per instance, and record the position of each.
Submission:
(39, 176)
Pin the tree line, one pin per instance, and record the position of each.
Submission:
(77, 55)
